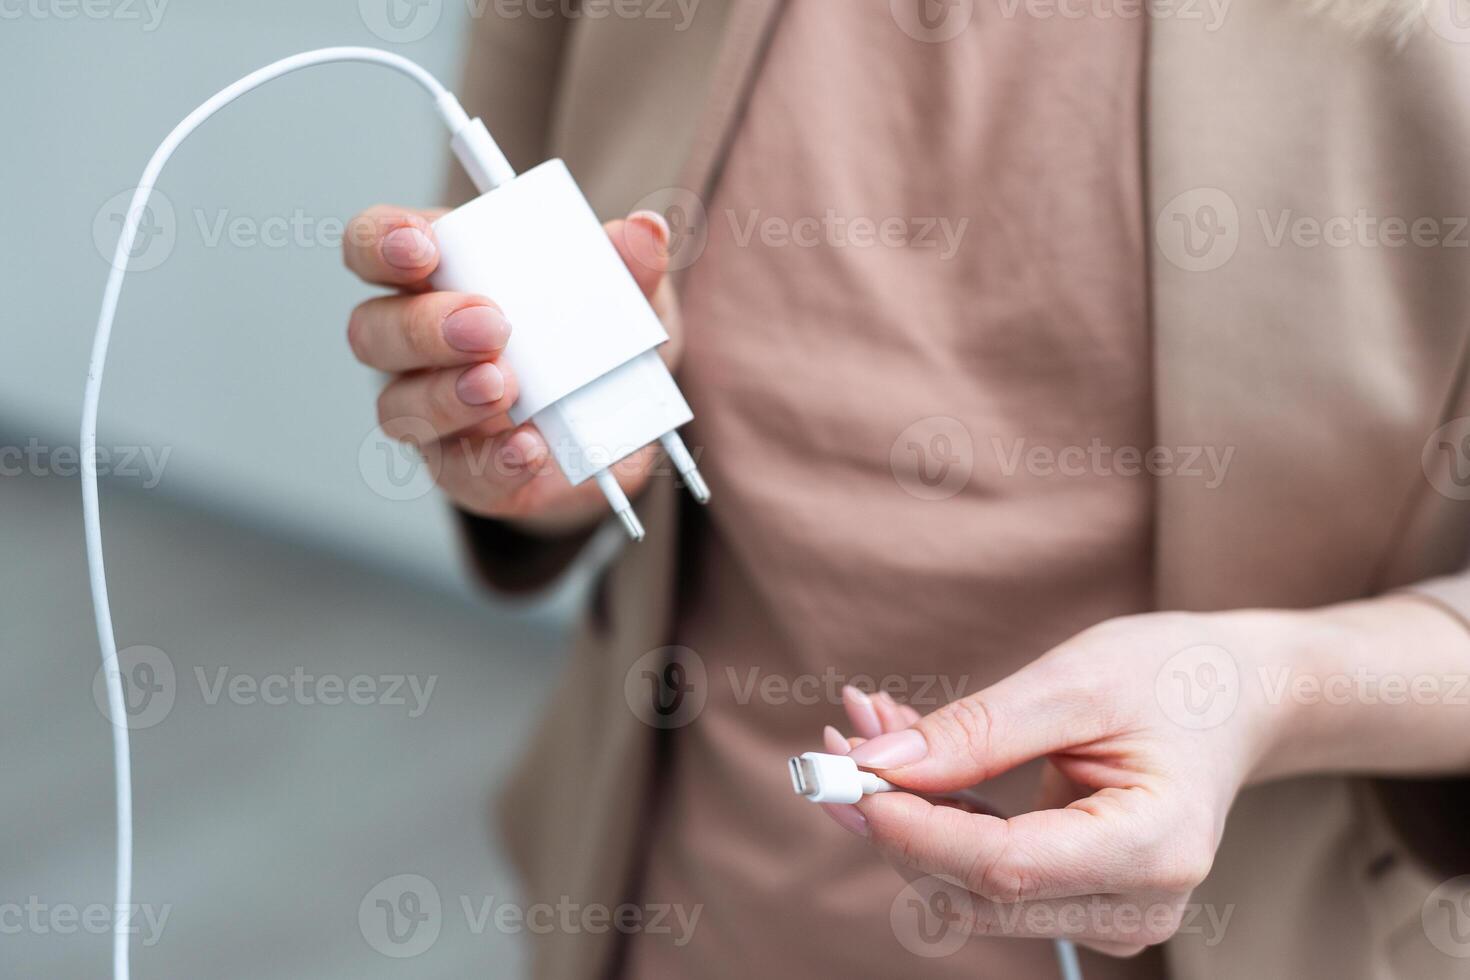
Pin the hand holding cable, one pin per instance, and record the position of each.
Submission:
(1149, 726)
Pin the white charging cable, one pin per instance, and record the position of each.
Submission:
(822, 777)
(486, 164)
(590, 374)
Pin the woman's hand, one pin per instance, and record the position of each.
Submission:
(1149, 726)
(449, 391)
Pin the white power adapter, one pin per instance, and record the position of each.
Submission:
(583, 338)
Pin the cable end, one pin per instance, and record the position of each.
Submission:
(825, 778)
(480, 156)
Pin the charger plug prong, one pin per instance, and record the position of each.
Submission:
(619, 503)
(683, 461)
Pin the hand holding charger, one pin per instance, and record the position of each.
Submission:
(584, 345)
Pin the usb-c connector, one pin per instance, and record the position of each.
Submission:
(824, 778)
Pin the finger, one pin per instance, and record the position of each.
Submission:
(392, 246)
(889, 712)
(449, 400)
(846, 816)
(1038, 855)
(833, 741)
(861, 712)
(1057, 791)
(909, 715)
(425, 330)
(1119, 950)
(1029, 714)
(485, 471)
(642, 241)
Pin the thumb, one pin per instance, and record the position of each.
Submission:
(1026, 716)
(642, 241)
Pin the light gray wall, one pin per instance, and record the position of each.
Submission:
(229, 356)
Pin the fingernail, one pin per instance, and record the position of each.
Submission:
(892, 750)
(658, 222)
(833, 741)
(407, 249)
(848, 817)
(864, 716)
(480, 385)
(520, 452)
(476, 329)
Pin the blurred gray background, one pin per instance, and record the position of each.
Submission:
(258, 541)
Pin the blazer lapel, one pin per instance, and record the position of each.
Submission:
(742, 50)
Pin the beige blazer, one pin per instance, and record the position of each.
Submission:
(1325, 366)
